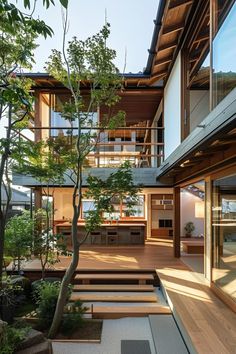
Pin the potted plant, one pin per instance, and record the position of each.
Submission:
(189, 228)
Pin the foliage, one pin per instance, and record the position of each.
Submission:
(11, 338)
(47, 245)
(19, 236)
(89, 64)
(74, 319)
(18, 33)
(118, 185)
(45, 296)
(8, 291)
(189, 227)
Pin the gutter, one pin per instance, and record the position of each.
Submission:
(158, 24)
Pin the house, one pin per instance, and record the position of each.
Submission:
(180, 138)
(19, 201)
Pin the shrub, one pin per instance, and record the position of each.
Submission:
(45, 296)
(74, 319)
(11, 337)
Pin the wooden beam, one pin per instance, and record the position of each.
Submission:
(178, 3)
(167, 46)
(159, 62)
(157, 77)
(159, 73)
(174, 28)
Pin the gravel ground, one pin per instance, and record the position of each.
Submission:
(113, 332)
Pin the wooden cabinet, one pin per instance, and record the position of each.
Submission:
(162, 215)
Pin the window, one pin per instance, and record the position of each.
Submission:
(87, 205)
(224, 51)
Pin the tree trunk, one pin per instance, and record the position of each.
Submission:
(66, 280)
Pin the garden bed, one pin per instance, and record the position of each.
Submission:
(90, 331)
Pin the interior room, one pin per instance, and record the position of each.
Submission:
(192, 225)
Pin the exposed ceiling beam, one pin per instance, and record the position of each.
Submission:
(159, 73)
(173, 28)
(167, 46)
(178, 3)
(159, 62)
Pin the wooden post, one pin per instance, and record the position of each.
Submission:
(37, 198)
(176, 238)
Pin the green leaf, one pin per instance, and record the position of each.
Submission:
(64, 3)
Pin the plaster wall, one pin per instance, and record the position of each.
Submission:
(172, 109)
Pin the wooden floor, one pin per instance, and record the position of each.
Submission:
(210, 325)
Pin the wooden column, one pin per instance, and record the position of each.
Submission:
(208, 230)
(176, 238)
(37, 117)
(37, 198)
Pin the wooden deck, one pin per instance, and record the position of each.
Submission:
(209, 324)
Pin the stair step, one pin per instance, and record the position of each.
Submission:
(113, 287)
(113, 297)
(128, 311)
(166, 335)
(140, 277)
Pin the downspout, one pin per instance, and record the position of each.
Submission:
(158, 24)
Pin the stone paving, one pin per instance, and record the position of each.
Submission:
(113, 332)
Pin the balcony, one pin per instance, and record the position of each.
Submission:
(142, 146)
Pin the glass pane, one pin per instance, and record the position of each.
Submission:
(224, 234)
(87, 205)
(224, 53)
(138, 210)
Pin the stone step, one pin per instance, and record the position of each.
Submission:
(33, 337)
(113, 287)
(44, 347)
(166, 336)
(111, 297)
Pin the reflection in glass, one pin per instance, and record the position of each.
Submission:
(224, 53)
(224, 235)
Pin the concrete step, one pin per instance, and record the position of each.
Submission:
(113, 287)
(166, 336)
(111, 297)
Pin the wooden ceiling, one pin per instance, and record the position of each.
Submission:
(174, 19)
(139, 105)
(220, 150)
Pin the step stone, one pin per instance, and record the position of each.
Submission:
(33, 337)
(44, 347)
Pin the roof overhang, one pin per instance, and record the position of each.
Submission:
(211, 144)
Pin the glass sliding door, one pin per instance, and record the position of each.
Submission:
(224, 235)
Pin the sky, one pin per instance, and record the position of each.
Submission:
(131, 28)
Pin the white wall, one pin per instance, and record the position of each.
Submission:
(172, 109)
(199, 107)
(187, 213)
